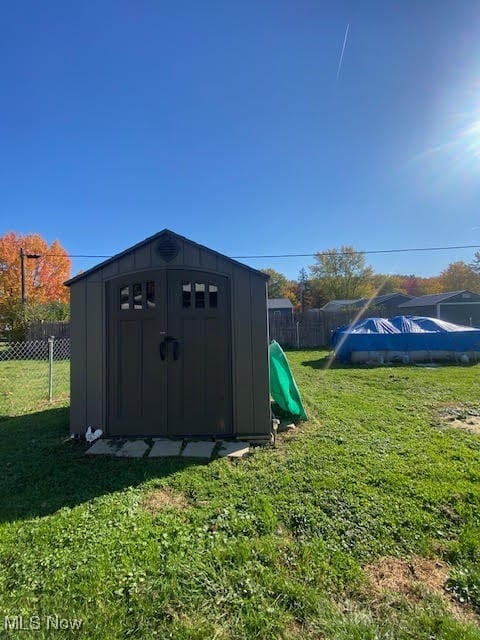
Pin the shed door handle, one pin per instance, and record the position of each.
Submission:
(176, 350)
(163, 350)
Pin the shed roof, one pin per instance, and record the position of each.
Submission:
(389, 296)
(434, 298)
(338, 305)
(157, 236)
(279, 303)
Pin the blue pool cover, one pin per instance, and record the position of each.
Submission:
(403, 333)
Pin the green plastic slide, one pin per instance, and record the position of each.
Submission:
(283, 388)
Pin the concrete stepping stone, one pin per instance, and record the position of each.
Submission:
(103, 447)
(198, 449)
(133, 449)
(286, 426)
(165, 448)
(234, 449)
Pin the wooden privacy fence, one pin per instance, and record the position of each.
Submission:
(309, 329)
(45, 330)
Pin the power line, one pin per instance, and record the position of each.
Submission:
(292, 255)
(349, 253)
(72, 255)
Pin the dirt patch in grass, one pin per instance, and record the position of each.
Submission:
(295, 631)
(472, 425)
(414, 579)
(465, 417)
(393, 574)
(158, 499)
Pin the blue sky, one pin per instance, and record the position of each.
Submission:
(225, 122)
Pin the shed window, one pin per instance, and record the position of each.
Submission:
(137, 295)
(199, 295)
(150, 295)
(186, 294)
(212, 296)
(124, 298)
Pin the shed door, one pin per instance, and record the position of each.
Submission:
(200, 366)
(137, 376)
(170, 354)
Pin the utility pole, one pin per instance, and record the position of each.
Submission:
(24, 297)
(24, 255)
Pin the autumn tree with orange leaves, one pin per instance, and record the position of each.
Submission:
(46, 296)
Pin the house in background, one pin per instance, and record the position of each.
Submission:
(280, 311)
(386, 305)
(460, 307)
(337, 306)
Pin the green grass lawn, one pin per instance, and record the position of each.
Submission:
(24, 385)
(308, 540)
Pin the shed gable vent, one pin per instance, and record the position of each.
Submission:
(167, 248)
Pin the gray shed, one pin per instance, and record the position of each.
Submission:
(280, 310)
(460, 307)
(169, 338)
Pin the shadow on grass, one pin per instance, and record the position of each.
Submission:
(327, 363)
(42, 470)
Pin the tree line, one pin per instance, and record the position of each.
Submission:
(32, 273)
(343, 274)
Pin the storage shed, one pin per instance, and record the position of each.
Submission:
(460, 307)
(280, 311)
(169, 338)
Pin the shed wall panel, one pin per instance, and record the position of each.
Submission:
(97, 276)
(209, 261)
(191, 256)
(226, 267)
(242, 353)
(77, 357)
(259, 348)
(143, 257)
(94, 360)
(126, 264)
(110, 270)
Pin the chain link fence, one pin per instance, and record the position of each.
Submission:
(33, 375)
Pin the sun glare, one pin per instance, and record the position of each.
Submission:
(471, 136)
(456, 156)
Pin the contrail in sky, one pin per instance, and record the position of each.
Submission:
(343, 51)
